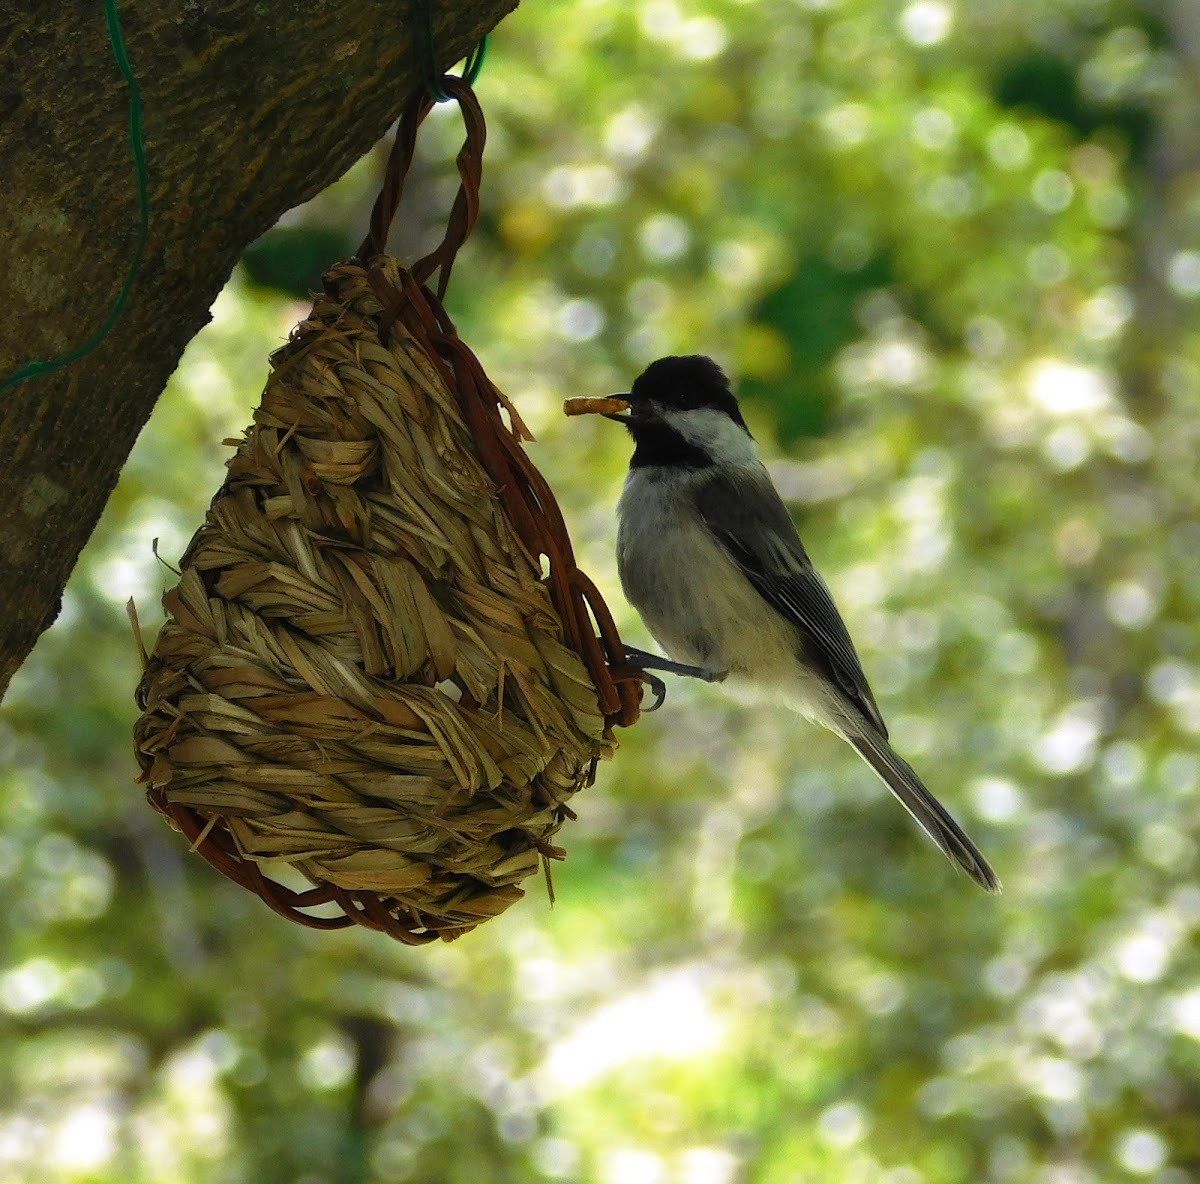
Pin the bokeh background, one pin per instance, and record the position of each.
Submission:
(952, 254)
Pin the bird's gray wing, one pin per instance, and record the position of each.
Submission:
(748, 518)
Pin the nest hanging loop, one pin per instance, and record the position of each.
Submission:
(364, 674)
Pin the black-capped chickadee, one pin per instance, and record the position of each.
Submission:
(710, 558)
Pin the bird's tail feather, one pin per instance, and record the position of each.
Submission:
(898, 775)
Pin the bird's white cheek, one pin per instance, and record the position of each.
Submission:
(715, 433)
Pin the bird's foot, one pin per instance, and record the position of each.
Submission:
(646, 662)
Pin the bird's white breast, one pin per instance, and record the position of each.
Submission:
(696, 603)
(699, 606)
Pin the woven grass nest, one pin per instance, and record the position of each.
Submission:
(363, 672)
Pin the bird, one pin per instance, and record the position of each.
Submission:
(710, 558)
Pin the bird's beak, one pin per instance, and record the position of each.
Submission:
(610, 408)
(621, 405)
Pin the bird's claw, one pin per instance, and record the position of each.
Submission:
(658, 689)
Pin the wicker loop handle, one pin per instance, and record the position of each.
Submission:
(465, 211)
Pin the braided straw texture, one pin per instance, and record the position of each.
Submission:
(363, 673)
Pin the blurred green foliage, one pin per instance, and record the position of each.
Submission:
(953, 254)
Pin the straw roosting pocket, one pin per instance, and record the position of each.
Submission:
(365, 672)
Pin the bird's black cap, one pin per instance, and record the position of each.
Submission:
(686, 383)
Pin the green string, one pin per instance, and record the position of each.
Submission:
(474, 62)
(422, 11)
(34, 369)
